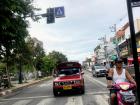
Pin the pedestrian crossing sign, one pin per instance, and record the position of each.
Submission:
(59, 12)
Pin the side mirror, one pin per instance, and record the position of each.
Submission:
(109, 78)
(82, 73)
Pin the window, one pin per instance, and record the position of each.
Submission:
(70, 71)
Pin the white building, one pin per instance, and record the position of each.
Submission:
(100, 54)
(122, 35)
(105, 52)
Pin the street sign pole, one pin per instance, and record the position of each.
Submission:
(134, 47)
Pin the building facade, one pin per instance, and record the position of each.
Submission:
(124, 41)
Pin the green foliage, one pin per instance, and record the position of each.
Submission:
(13, 28)
(13, 24)
(52, 60)
(39, 54)
(49, 65)
(36, 52)
(57, 57)
(2, 66)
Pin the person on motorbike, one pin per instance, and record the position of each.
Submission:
(118, 75)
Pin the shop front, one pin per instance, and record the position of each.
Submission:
(124, 51)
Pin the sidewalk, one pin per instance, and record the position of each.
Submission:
(17, 87)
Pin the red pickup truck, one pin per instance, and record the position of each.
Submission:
(68, 77)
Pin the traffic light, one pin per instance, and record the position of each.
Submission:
(50, 16)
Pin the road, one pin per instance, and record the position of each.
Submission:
(41, 94)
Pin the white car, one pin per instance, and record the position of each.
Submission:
(98, 70)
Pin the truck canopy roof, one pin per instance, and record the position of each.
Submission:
(68, 65)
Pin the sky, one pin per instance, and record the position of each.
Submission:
(77, 34)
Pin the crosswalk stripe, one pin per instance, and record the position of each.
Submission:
(22, 102)
(79, 101)
(45, 102)
(75, 101)
(96, 93)
(106, 96)
(100, 100)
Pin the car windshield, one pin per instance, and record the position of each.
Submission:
(99, 67)
(70, 71)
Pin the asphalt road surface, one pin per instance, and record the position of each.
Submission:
(96, 93)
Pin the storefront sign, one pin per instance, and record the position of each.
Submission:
(124, 53)
(138, 50)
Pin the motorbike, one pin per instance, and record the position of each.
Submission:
(124, 93)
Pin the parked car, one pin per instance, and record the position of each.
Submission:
(98, 70)
(68, 77)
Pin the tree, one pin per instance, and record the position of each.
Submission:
(57, 57)
(49, 65)
(13, 27)
(89, 61)
(39, 53)
(23, 57)
(52, 60)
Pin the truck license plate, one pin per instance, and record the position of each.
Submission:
(68, 87)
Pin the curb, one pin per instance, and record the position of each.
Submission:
(15, 89)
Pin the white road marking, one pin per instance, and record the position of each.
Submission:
(100, 100)
(22, 102)
(79, 101)
(42, 85)
(96, 93)
(101, 83)
(45, 102)
(106, 96)
(71, 101)
(22, 98)
(75, 101)
(45, 84)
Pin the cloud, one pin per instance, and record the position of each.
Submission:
(77, 34)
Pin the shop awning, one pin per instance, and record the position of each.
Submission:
(131, 59)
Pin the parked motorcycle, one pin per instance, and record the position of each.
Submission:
(124, 93)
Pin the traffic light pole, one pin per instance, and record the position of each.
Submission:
(134, 47)
(49, 15)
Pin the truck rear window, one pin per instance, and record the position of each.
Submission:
(69, 71)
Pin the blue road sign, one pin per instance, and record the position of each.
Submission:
(59, 12)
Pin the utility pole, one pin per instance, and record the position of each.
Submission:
(105, 47)
(134, 46)
(114, 29)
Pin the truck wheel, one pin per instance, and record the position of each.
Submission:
(55, 93)
(83, 90)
